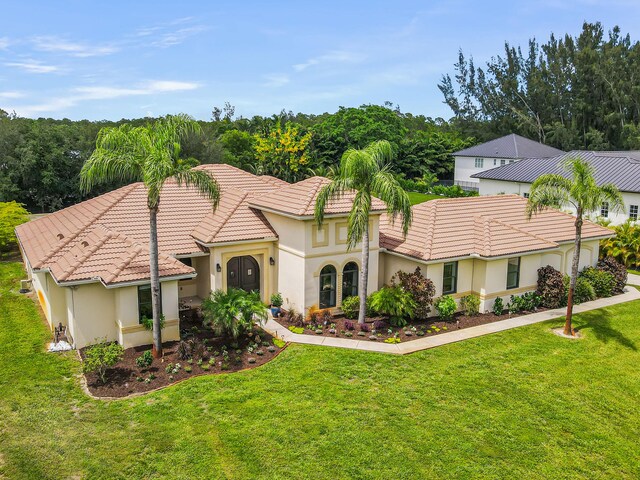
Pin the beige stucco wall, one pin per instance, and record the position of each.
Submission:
(91, 310)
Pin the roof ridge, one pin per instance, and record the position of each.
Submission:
(518, 229)
(312, 196)
(56, 249)
(515, 144)
(137, 248)
(431, 216)
(227, 217)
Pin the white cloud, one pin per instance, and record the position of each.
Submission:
(33, 66)
(75, 49)
(83, 94)
(168, 39)
(4, 42)
(11, 95)
(340, 56)
(276, 79)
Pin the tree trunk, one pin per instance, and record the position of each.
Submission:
(155, 282)
(568, 329)
(364, 275)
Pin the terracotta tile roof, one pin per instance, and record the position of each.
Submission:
(107, 237)
(299, 199)
(488, 226)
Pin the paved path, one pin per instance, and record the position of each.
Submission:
(633, 279)
(274, 328)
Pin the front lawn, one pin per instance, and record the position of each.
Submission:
(522, 403)
(415, 197)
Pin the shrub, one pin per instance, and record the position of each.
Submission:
(446, 307)
(551, 287)
(313, 315)
(348, 325)
(584, 291)
(98, 358)
(232, 313)
(276, 300)
(365, 327)
(379, 325)
(148, 322)
(184, 350)
(394, 302)
(350, 307)
(278, 342)
(618, 270)
(498, 306)
(325, 315)
(602, 281)
(470, 304)
(296, 329)
(421, 289)
(12, 214)
(145, 360)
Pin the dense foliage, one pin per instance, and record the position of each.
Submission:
(394, 302)
(618, 271)
(625, 246)
(100, 357)
(421, 289)
(233, 313)
(602, 281)
(570, 92)
(446, 307)
(470, 304)
(551, 287)
(40, 160)
(351, 306)
(12, 214)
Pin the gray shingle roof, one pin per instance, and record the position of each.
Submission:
(619, 168)
(510, 146)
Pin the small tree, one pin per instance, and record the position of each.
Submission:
(101, 356)
(232, 313)
(12, 214)
(420, 287)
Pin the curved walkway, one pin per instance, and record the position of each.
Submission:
(277, 330)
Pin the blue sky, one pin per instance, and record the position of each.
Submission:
(112, 60)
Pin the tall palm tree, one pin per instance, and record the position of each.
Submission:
(365, 171)
(581, 192)
(150, 154)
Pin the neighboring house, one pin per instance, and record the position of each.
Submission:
(89, 263)
(622, 169)
(495, 153)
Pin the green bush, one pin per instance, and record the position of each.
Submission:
(498, 306)
(470, 304)
(602, 281)
(421, 289)
(101, 356)
(584, 291)
(148, 322)
(446, 307)
(276, 300)
(233, 313)
(394, 302)
(617, 269)
(12, 214)
(351, 307)
(145, 360)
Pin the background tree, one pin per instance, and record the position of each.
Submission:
(366, 172)
(584, 195)
(151, 154)
(283, 152)
(12, 214)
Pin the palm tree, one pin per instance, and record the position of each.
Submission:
(150, 154)
(365, 171)
(232, 313)
(580, 191)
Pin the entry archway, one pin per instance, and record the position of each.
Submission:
(243, 272)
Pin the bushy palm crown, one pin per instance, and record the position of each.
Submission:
(580, 190)
(150, 154)
(233, 312)
(366, 172)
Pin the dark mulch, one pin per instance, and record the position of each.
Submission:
(415, 329)
(127, 378)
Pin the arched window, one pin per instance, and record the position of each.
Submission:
(350, 280)
(328, 286)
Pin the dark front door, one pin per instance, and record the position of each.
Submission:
(244, 273)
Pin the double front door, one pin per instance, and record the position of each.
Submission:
(243, 272)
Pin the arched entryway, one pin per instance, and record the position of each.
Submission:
(243, 272)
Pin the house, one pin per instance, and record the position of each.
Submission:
(89, 263)
(621, 169)
(495, 153)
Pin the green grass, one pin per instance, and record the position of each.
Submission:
(518, 404)
(415, 197)
(635, 272)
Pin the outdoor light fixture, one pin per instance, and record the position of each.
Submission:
(271, 261)
(218, 267)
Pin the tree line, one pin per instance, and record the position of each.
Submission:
(40, 159)
(571, 92)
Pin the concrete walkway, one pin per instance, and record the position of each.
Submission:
(277, 330)
(633, 279)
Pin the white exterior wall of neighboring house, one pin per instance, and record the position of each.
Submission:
(497, 187)
(466, 166)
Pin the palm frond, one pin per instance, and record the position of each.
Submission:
(205, 183)
(331, 191)
(358, 218)
(386, 187)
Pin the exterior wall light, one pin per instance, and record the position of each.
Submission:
(272, 261)
(218, 268)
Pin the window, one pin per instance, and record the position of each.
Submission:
(513, 272)
(479, 162)
(144, 302)
(328, 287)
(502, 162)
(604, 211)
(495, 162)
(633, 212)
(450, 278)
(525, 195)
(350, 280)
(187, 261)
(511, 161)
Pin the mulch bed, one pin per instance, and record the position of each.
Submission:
(414, 330)
(126, 378)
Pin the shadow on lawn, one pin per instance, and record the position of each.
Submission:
(599, 321)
